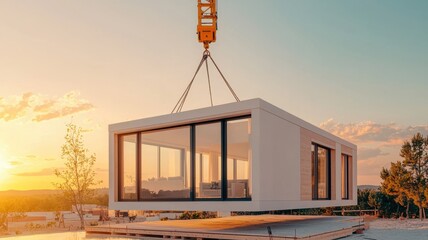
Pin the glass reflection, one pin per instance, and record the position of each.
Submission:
(238, 158)
(322, 173)
(320, 158)
(208, 160)
(345, 176)
(128, 151)
(165, 156)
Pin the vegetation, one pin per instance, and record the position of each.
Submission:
(370, 201)
(78, 178)
(196, 215)
(14, 205)
(407, 181)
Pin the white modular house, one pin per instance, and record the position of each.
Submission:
(243, 156)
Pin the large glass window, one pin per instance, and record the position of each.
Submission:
(320, 172)
(238, 158)
(164, 160)
(128, 170)
(346, 162)
(208, 160)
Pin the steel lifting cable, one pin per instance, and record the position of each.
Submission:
(209, 82)
(179, 106)
(204, 58)
(184, 95)
(224, 79)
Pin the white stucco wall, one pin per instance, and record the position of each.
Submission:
(279, 162)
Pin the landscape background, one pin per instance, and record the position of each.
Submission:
(361, 77)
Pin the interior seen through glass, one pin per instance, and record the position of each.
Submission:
(208, 160)
(345, 176)
(320, 172)
(165, 167)
(238, 155)
(129, 177)
(164, 160)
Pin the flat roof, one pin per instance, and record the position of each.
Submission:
(217, 112)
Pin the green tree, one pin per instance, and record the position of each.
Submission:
(396, 182)
(363, 199)
(415, 154)
(77, 179)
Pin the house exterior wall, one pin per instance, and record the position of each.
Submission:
(279, 159)
(280, 167)
(284, 163)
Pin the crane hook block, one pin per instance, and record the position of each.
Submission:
(207, 22)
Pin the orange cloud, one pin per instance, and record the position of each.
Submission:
(43, 172)
(12, 111)
(40, 108)
(61, 112)
(368, 131)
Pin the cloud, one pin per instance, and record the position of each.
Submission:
(367, 153)
(43, 172)
(15, 163)
(370, 131)
(40, 107)
(379, 143)
(15, 110)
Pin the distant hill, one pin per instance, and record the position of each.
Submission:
(364, 187)
(40, 192)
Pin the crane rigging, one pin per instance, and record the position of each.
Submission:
(206, 30)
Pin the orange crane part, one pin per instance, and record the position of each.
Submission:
(207, 22)
(207, 27)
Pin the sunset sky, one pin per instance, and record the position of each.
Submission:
(355, 68)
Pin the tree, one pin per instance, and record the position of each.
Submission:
(415, 154)
(396, 182)
(78, 176)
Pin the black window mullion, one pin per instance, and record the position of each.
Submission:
(316, 170)
(192, 163)
(119, 168)
(328, 173)
(347, 177)
(223, 160)
(138, 174)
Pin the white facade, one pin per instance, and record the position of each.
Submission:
(280, 163)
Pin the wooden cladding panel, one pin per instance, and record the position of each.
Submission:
(306, 139)
(305, 165)
(346, 150)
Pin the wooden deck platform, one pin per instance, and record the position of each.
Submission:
(238, 227)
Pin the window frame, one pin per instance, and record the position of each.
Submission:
(315, 172)
(120, 168)
(139, 160)
(347, 159)
(192, 126)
